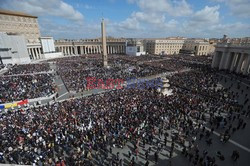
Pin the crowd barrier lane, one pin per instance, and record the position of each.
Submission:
(24, 102)
(6, 106)
(42, 98)
(14, 104)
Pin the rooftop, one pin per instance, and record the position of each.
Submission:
(15, 13)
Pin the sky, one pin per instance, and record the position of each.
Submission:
(78, 19)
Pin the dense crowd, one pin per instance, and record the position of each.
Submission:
(143, 58)
(28, 68)
(76, 71)
(168, 65)
(202, 81)
(16, 88)
(196, 59)
(84, 131)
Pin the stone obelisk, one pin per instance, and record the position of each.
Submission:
(104, 45)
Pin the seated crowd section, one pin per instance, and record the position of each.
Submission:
(28, 68)
(74, 71)
(22, 82)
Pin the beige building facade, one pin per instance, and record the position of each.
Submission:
(18, 23)
(197, 47)
(179, 45)
(90, 46)
(168, 46)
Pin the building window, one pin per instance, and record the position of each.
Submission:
(138, 49)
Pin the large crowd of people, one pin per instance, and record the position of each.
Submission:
(87, 130)
(197, 59)
(201, 81)
(28, 68)
(74, 72)
(81, 131)
(26, 81)
(138, 59)
(168, 65)
(16, 88)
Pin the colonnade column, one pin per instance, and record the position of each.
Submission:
(240, 63)
(246, 65)
(234, 61)
(223, 59)
(29, 53)
(71, 50)
(67, 50)
(81, 49)
(95, 49)
(76, 50)
(228, 60)
(64, 50)
(36, 53)
(39, 52)
(215, 59)
(33, 53)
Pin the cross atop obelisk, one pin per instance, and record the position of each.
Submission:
(104, 45)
